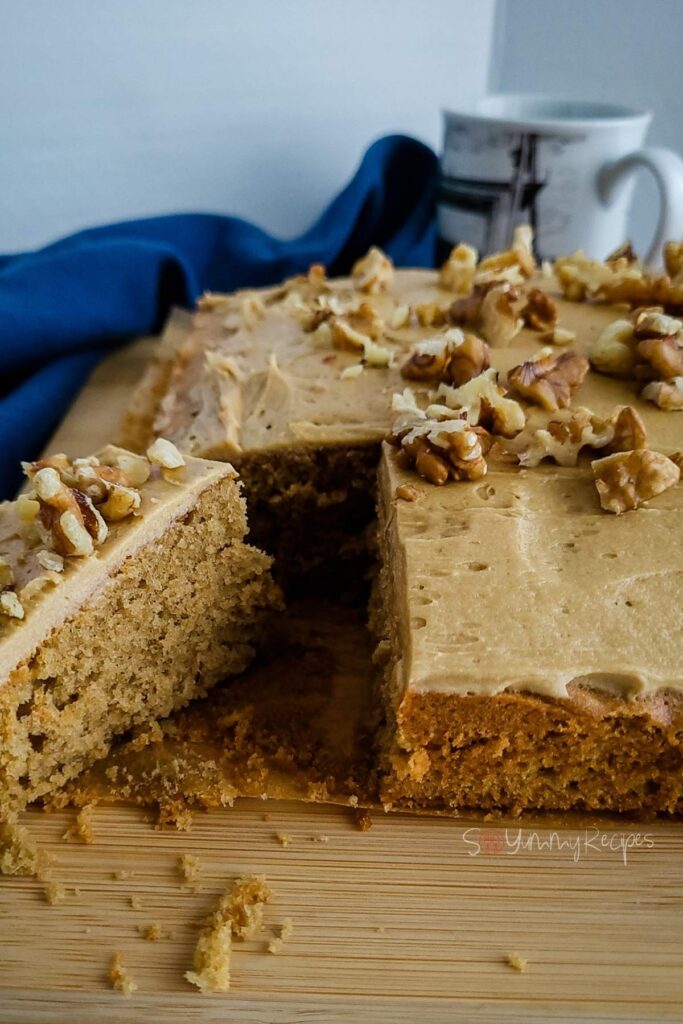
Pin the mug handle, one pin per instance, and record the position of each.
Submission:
(667, 168)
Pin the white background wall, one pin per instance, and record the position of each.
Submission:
(624, 51)
(111, 109)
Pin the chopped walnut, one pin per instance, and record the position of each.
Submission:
(549, 381)
(667, 394)
(614, 351)
(664, 355)
(346, 336)
(400, 317)
(10, 605)
(654, 323)
(351, 372)
(452, 357)
(429, 314)
(466, 312)
(406, 492)
(500, 320)
(374, 272)
(457, 273)
(514, 264)
(165, 454)
(50, 561)
(557, 336)
(540, 312)
(627, 479)
(439, 443)
(120, 503)
(75, 524)
(482, 400)
(570, 430)
(673, 261)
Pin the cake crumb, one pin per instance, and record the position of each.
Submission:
(150, 932)
(286, 931)
(119, 977)
(239, 915)
(190, 869)
(266, 817)
(82, 828)
(122, 876)
(55, 893)
(353, 801)
(362, 819)
(283, 838)
(136, 903)
(381, 930)
(19, 853)
(517, 962)
(320, 839)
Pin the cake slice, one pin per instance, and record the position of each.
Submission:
(531, 644)
(127, 590)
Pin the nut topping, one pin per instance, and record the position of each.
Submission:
(673, 261)
(10, 605)
(667, 394)
(482, 401)
(373, 273)
(165, 454)
(457, 273)
(499, 315)
(627, 479)
(540, 312)
(451, 357)
(549, 381)
(570, 430)
(614, 351)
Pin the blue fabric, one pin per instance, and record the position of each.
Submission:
(63, 307)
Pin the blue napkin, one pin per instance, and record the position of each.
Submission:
(62, 308)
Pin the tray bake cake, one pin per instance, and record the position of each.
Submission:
(126, 589)
(528, 639)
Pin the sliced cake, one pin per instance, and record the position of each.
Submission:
(126, 591)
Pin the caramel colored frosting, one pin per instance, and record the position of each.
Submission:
(240, 388)
(519, 581)
(49, 598)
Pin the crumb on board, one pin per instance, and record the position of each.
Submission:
(362, 819)
(516, 962)
(238, 914)
(136, 903)
(122, 876)
(190, 869)
(19, 853)
(286, 931)
(120, 979)
(320, 839)
(266, 817)
(81, 828)
(353, 801)
(150, 932)
(55, 893)
(283, 838)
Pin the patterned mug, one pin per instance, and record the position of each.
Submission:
(564, 166)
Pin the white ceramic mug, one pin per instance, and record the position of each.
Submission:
(565, 166)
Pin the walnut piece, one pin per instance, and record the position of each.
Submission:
(373, 273)
(437, 442)
(540, 312)
(557, 336)
(10, 605)
(673, 261)
(499, 314)
(406, 492)
(667, 394)
(165, 454)
(75, 525)
(614, 351)
(430, 314)
(571, 430)
(466, 312)
(549, 381)
(627, 479)
(514, 264)
(451, 357)
(457, 273)
(482, 400)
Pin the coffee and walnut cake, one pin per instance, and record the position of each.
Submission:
(126, 590)
(528, 638)
(500, 440)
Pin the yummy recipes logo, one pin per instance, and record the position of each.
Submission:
(576, 845)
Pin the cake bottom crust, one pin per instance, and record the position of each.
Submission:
(514, 752)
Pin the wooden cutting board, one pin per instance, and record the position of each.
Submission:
(410, 921)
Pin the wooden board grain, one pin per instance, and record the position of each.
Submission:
(412, 920)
